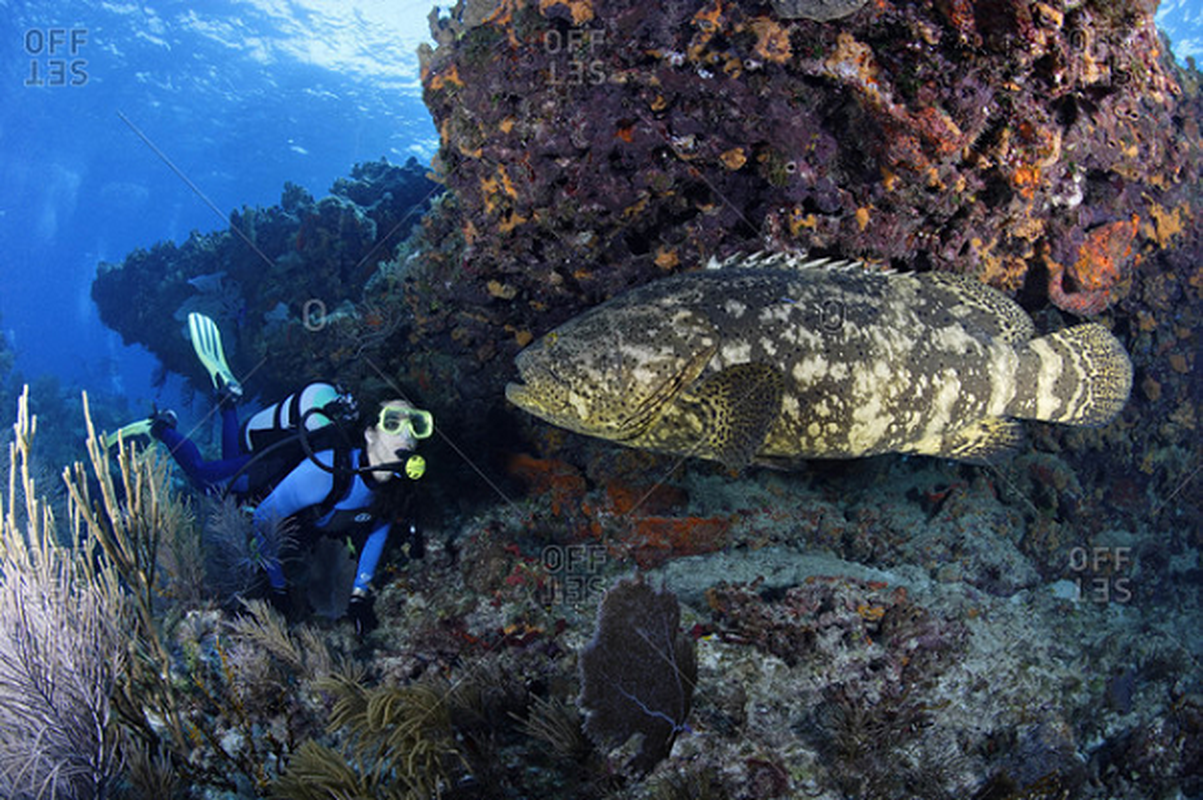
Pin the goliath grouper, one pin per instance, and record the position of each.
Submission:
(773, 359)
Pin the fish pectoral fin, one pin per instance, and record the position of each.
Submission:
(736, 408)
(979, 442)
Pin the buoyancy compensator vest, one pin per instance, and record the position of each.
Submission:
(316, 406)
(281, 436)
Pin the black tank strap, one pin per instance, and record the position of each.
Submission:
(341, 479)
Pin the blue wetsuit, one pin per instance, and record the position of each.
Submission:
(211, 475)
(308, 485)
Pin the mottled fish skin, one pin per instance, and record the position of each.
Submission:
(772, 360)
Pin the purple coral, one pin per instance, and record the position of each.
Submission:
(639, 672)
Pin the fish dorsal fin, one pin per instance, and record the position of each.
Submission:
(737, 406)
(765, 259)
(983, 307)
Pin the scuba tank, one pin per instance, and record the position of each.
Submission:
(282, 435)
(314, 407)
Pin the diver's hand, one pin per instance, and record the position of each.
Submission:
(279, 599)
(360, 610)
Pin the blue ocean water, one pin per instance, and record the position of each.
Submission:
(240, 96)
(1182, 21)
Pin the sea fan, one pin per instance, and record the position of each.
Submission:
(638, 673)
(237, 555)
(62, 649)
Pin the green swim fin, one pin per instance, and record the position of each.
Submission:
(143, 427)
(126, 432)
(206, 341)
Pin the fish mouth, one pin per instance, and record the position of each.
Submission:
(518, 394)
(534, 381)
(530, 399)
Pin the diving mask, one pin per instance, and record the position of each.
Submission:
(393, 420)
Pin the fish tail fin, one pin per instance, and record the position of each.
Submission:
(1079, 375)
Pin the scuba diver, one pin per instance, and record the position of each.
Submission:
(299, 460)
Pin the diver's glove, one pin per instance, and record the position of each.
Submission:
(361, 611)
(415, 543)
(279, 599)
(161, 420)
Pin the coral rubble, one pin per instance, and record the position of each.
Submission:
(590, 151)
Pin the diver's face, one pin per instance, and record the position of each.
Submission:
(387, 448)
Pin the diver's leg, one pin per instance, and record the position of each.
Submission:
(204, 474)
(185, 452)
(231, 447)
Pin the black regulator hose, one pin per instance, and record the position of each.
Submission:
(408, 467)
(411, 468)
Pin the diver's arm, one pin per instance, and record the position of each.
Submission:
(307, 485)
(369, 557)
